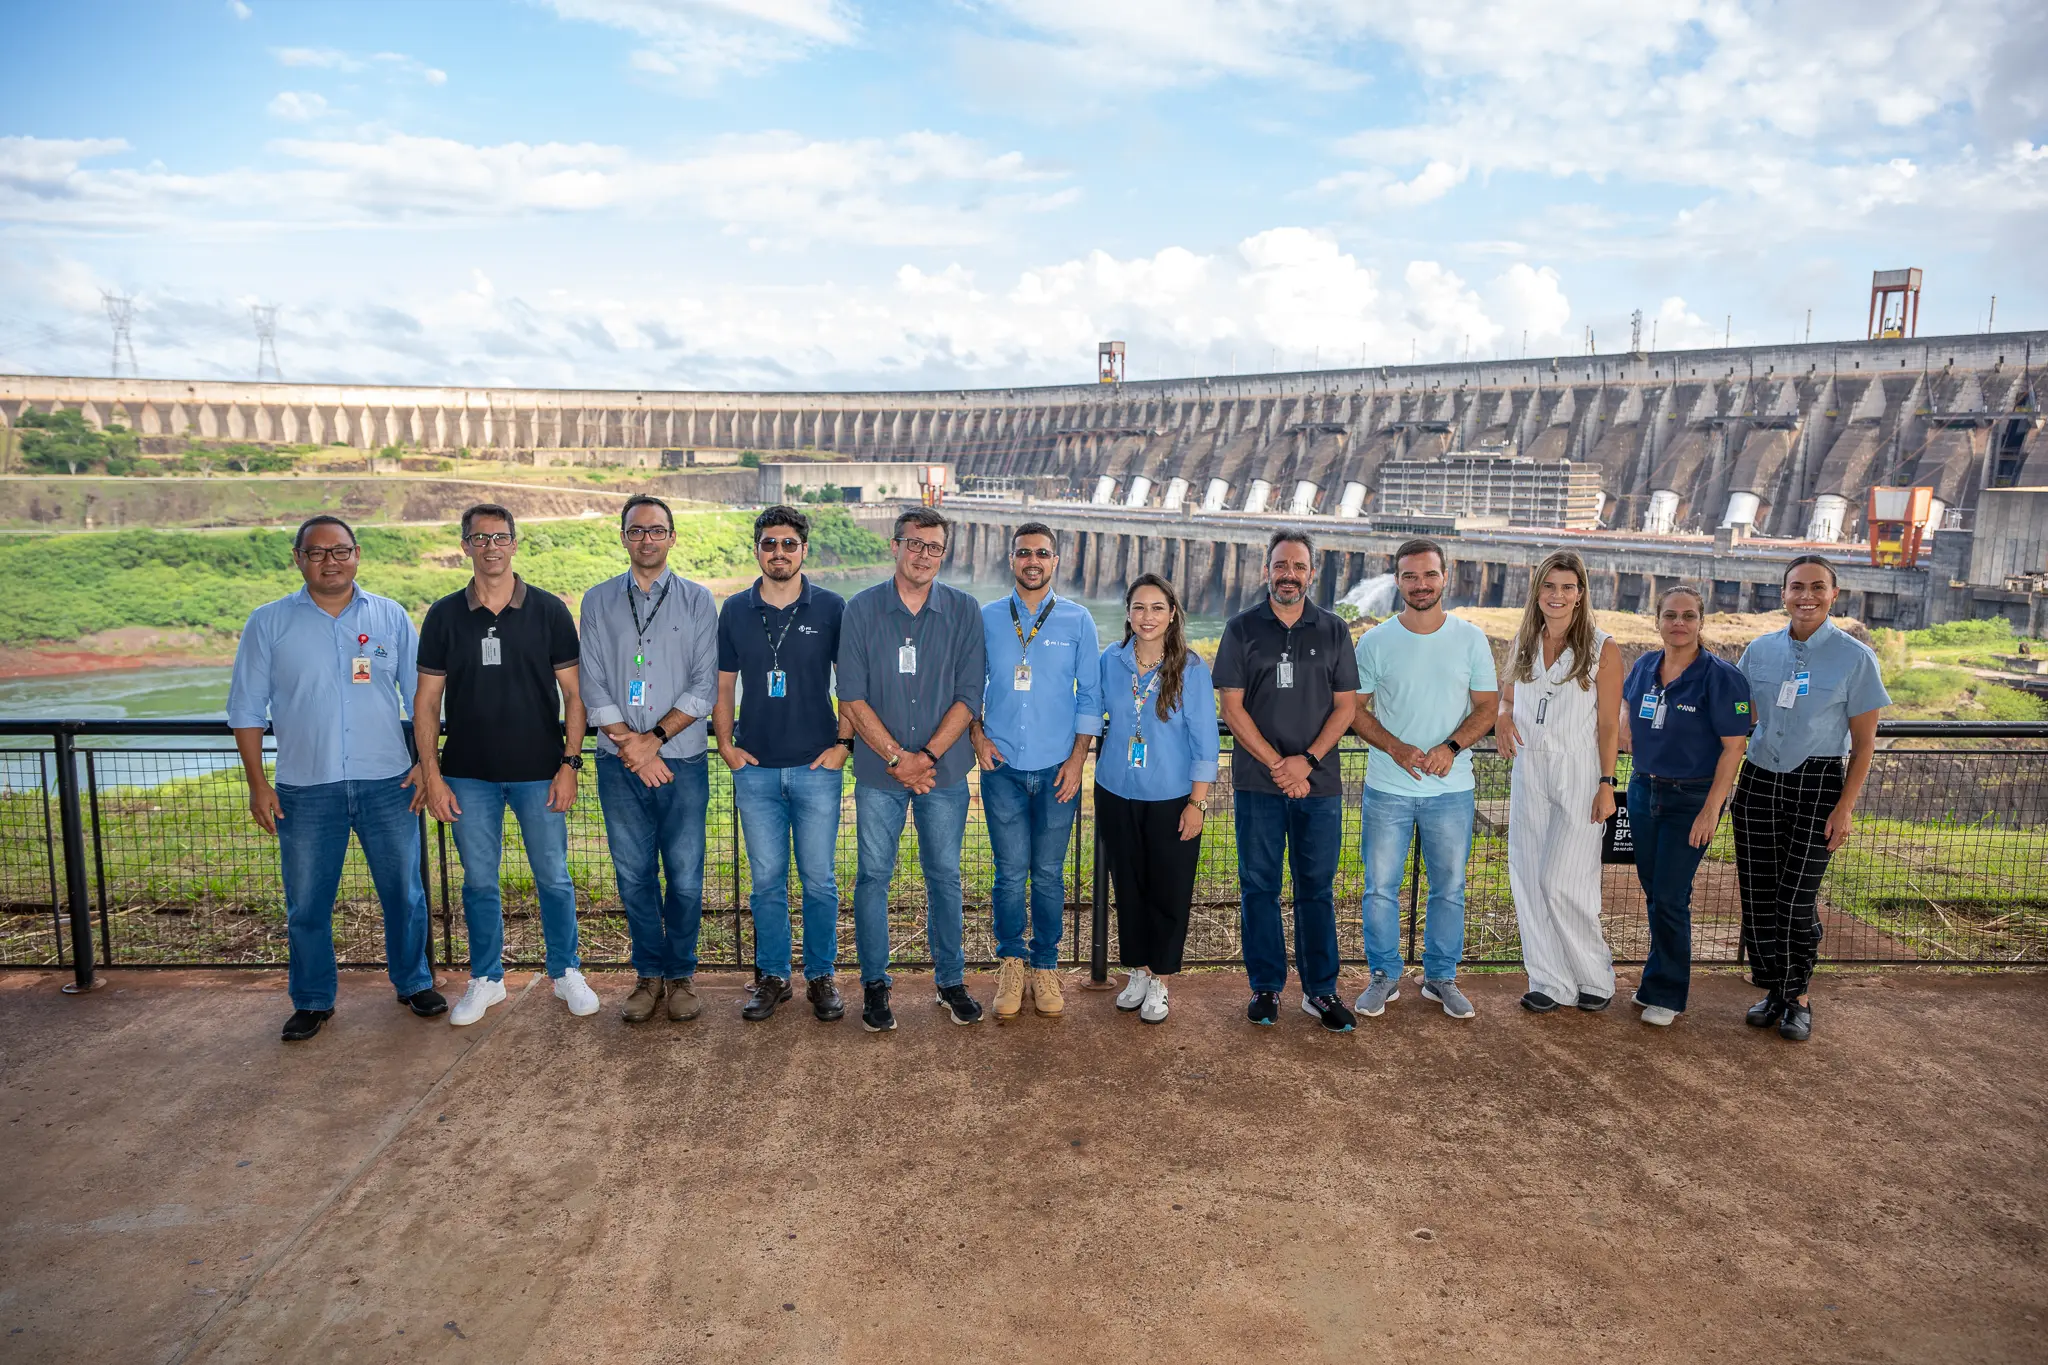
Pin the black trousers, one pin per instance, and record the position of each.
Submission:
(1781, 854)
(1153, 872)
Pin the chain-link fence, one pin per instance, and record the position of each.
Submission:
(1948, 864)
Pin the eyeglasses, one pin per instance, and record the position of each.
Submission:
(339, 554)
(653, 533)
(787, 544)
(483, 538)
(1034, 554)
(928, 549)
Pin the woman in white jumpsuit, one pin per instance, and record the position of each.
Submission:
(1560, 724)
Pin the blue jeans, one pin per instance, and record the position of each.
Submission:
(1660, 816)
(1308, 833)
(1028, 831)
(652, 829)
(941, 816)
(776, 804)
(312, 840)
(480, 840)
(1389, 826)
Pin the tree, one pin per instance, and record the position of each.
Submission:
(62, 442)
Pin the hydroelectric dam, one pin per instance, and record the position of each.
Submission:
(1702, 464)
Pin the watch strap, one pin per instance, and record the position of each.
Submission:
(1453, 745)
(846, 744)
(930, 755)
(659, 733)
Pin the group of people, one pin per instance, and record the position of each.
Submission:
(486, 707)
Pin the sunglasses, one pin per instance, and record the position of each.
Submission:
(1028, 553)
(787, 544)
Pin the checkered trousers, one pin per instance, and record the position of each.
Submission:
(1781, 854)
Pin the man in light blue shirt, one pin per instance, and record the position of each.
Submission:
(1041, 707)
(331, 670)
(1433, 691)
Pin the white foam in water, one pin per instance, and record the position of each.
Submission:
(1373, 596)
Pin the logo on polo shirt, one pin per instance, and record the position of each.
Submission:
(1742, 708)
(381, 652)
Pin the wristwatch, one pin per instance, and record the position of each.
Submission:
(1202, 806)
(893, 759)
(1310, 755)
(573, 761)
(1453, 745)
(930, 755)
(659, 733)
(1607, 782)
(846, 744)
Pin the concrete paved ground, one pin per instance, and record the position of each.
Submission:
(180, 1186)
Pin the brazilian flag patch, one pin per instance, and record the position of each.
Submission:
(1742, 708)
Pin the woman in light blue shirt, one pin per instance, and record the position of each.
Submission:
(1152, 786)
(1815, 692)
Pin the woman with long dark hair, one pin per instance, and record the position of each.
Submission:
(1152, 779)
(1560, 722)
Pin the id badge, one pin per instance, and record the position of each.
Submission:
(1788, 690)
(778, 683)
(1542, 709)
(636, 693)
(1804, 681)
(1283, 673)
(359, 669)
(1137, 753)
(1657, 722)
(906, 658)
(1021, 682)
(1649, 707)
(493, 650)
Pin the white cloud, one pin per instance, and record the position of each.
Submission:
(299, 106)
(692, 43)
(239, 10)
(324, 58)
(333, 59)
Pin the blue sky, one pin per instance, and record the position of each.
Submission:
(823, 194)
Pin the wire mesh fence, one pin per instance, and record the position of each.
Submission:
(1948, 864)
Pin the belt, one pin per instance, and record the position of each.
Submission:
(1675, 781)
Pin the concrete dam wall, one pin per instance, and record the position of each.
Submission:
(1784, 440)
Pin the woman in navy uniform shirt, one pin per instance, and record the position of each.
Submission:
(1688, 720)
(1152, 779)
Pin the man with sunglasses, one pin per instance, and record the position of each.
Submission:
(1042, 705)
(330, 670)
(650, 672)
(911, 669)
(776, 643)
(504, 658)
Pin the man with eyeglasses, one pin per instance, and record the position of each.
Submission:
(504, 659)
(650, 673)
(1043, 703)
(786, 747)
(911, 669)
(330, 670)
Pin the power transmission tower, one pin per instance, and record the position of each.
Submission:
(265, 315)
(1635, 332)
(120, 311)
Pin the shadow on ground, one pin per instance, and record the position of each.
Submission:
(180, 1186)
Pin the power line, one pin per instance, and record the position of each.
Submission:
(265, 317)
(120, 312)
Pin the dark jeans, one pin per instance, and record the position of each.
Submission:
(1660, 816)
(1306, 834)
(653, 830)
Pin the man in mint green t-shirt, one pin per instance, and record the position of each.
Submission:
(1429, 680)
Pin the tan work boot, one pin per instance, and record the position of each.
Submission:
(645, 999)
(682, 999)
(1010, 988)
(1045, 993)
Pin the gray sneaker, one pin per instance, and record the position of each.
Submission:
(1374, 999)
(1447, 994)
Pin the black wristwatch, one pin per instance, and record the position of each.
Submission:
(659, 733)
(1313, 761)
(930, 755)
(573, 761)
(1453, 745)
(846, 744)
(1607, 782)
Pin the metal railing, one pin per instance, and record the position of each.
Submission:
(129, 843)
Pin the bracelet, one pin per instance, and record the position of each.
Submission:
(930, 755)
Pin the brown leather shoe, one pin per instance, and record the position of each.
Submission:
(682, 998)
(1045, 993)
(1009, 1002)
(644, 1001)
(823, 992)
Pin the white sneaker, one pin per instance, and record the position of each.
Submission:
(1134, 991)
(480, 996)
(1154, 1010)
(1658, 1015)
(571, 986)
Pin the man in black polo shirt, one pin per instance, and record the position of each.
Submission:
(1285, 682)
(503, 657)
(776, 644)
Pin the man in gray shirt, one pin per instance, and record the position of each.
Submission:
(650, 677)
(911, 660)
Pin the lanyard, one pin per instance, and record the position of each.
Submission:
(1138, 699)
(633, 606)
(774, 639)
(1017, 624)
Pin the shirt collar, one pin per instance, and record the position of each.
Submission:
(1309, 611)
(305, 595)
(1031, 613)
(633, 584)
(803, 595)
(518, 594)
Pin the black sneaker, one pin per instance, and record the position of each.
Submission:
(1797, 1024)
(1593, 1004)
(961, 1005)
(1766, 1012)
(823, 993)
(1536, 1002)
(1264, 1009)
(426, 1004)
(875, 1014)
(304, 1024)
(768, 992)
(1328, 1008)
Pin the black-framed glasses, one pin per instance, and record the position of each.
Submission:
(786, 544)
(929, 549)
(339, 554)
(656, 534)
(1025, 552)
(482, 538)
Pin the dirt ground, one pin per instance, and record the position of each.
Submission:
(541, 1188)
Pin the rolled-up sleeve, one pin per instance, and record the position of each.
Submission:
(249, 685)
(1198, 717)
(700, 660)
(600, 703)
(970, 680)
(1088, 682)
